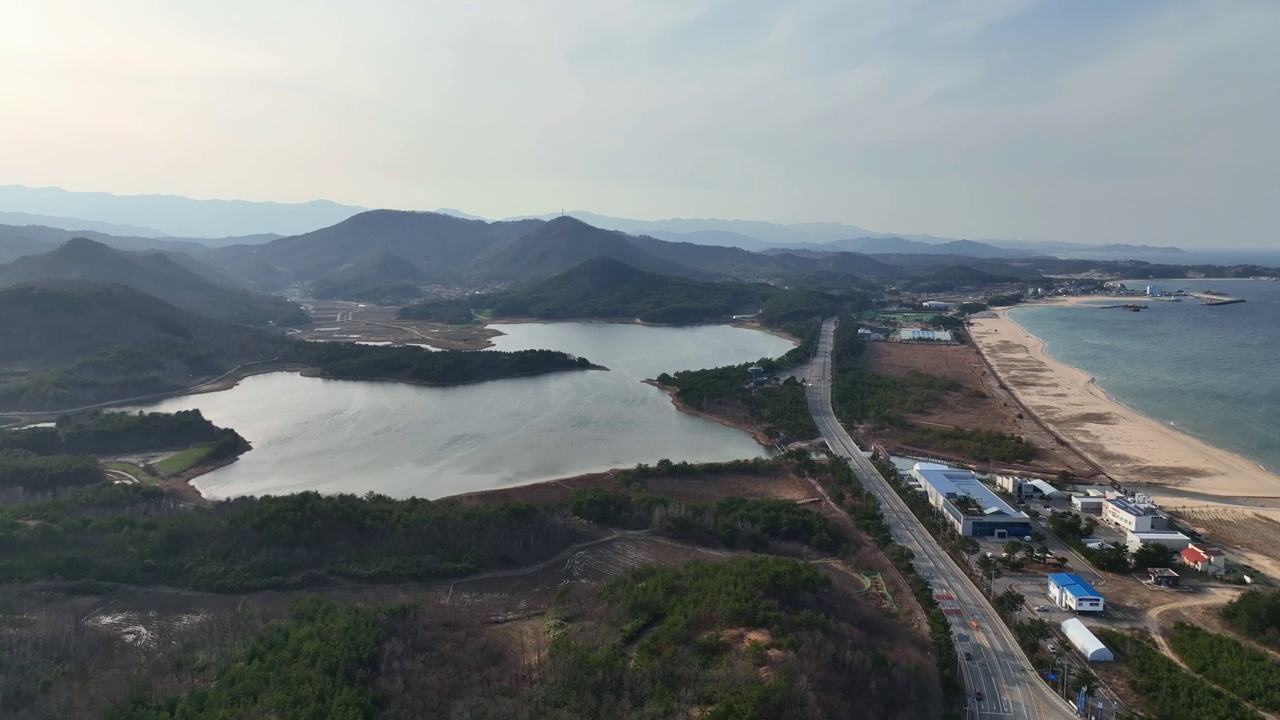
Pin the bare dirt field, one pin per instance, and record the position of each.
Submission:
(365, 322)
(979, 404)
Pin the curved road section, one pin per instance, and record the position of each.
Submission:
(999, 670)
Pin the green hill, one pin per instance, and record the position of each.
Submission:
(955, 278)
(68, 343)
(563, 243)
(153, 273)
(382, 277)
(606, 288)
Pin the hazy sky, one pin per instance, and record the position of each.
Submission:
(1087, 120)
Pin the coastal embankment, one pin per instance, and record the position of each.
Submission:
(1217, 491)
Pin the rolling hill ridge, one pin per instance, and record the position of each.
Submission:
(153, 273)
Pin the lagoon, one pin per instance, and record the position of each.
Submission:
(411, 441)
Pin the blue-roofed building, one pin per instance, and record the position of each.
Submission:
(972, 508)
(1072, 592)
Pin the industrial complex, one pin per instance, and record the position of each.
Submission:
(972, 508)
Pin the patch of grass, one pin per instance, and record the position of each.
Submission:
(136, 472)
(182, 461)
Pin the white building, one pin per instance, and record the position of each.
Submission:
(971, 507)
(937, 305)
(1071, 592)
(1086, 642)
(1009, 483)
(1132, 516)
(1169, 538)
(1021, 487)
(1087, 505)
(915, 335)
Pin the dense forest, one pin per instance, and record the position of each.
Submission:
(1256, 613)
(1169, 691)
(42, 460)
(1252, 675)
(751, 637)
(781, 410)
(104, 433)
(443, 367)
(135, 534)
(317, 665)
(37, 473)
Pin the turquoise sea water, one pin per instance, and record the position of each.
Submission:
(1212, 372)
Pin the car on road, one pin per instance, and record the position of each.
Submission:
(977, 694)
(1026, 538)
(968, 655)
(1042, 608)
(1051, 648)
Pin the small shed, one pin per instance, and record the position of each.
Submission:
(1086, 642)
(1164, 577)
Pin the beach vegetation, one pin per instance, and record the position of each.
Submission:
(980, 445)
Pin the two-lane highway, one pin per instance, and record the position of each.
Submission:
(999, 670)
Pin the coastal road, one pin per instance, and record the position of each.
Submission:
(999, 669)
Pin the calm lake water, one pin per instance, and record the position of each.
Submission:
(404, 440)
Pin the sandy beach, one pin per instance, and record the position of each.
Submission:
(1229, 497)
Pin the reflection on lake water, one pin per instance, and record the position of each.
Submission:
(405, 440)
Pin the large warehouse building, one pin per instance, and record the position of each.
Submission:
(1072, 592)
(972, 508)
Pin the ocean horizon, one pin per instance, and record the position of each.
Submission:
(1199, 369)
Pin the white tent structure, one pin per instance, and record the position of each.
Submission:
(1086, 642)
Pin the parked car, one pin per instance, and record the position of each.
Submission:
(1042, 608)
(1051, 648)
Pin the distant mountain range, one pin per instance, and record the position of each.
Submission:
(172, 214)
(217, 223)
(187, 284)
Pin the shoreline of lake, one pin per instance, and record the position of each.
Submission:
(403, 439)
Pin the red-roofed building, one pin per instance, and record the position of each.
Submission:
(1205, 558)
